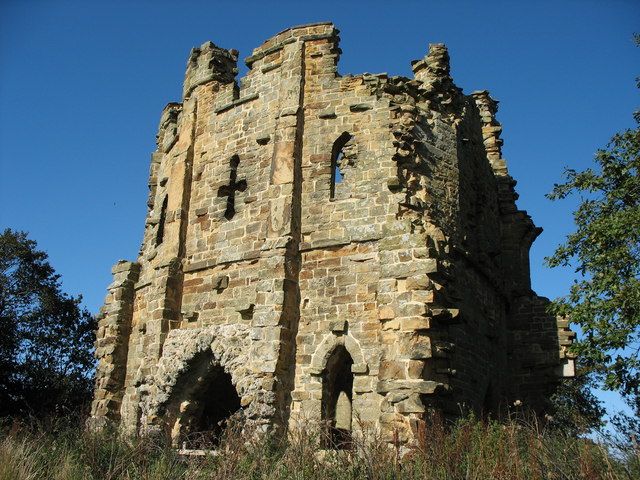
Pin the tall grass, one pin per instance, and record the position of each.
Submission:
(470, 449)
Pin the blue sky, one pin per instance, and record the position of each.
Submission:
(82, 85)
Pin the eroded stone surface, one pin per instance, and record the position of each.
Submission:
(306, 228)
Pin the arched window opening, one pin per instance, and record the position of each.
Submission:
(337, 158)
(208, 400)
(163, 219)
(234, 186)
(337, 398)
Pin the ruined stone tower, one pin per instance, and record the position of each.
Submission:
(325, 247)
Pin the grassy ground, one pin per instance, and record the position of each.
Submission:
(471, 449)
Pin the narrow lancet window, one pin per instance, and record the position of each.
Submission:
(230, 190)
(337, 156)
(163, 218)
(337, 398)
(488, 405)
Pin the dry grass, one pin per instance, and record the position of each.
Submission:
(471, 449)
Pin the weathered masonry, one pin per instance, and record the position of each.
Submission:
(325, 248)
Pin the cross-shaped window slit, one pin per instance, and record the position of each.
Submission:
(230, 190)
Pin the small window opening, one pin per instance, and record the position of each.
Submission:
(337, 397)
(163, 218)
(230, 190)
(337, 157)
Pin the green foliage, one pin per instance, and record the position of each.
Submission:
(46, 342)
(604, 301)
(605, 250)
(575, 408)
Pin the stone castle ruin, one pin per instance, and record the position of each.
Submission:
(318, 247)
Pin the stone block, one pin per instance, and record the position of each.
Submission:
(359, 368)
(338, 326)
(386, 313)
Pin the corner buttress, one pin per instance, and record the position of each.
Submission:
(112, 344)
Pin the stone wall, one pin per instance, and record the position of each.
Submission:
(301, 221)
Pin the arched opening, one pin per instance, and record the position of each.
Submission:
(488, 403)
(337, 156)
(337, 399)
(163, 219)
(207, 399)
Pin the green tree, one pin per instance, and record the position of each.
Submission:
(46, 342)
(604, 301)
(575, 408)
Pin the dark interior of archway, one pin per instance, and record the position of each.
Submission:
(219, 399)
(337, 378)
(488, 403)
(213, 399)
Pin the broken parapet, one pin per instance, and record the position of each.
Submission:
(435, 73)
(209, 63)
(491, 130)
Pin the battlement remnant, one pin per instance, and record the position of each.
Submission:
(322, 248)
